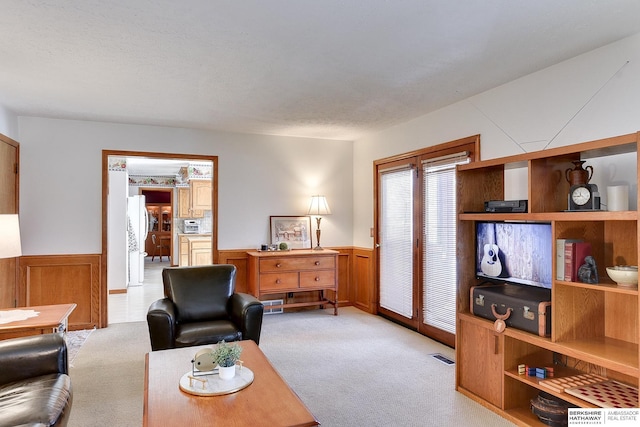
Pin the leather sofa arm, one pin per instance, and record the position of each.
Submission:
(246, 311)
(32, 356)
(161, 318)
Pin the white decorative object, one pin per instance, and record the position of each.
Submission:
(213, 385)
(624, 275)
(227, 372)
(618, 198)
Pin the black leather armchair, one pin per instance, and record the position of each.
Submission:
(35, 387)
(201, 307)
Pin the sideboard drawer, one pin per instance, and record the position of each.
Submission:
(279, 281)
(294, 263)
(314, 279)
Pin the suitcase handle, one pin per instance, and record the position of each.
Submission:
(499, 325)
(500, 316)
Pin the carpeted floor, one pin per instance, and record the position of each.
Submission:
(354, 369)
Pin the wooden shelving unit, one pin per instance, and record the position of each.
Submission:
(595, 327)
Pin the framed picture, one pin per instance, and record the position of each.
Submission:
(295, 231)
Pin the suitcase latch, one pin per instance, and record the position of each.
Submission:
(480, 300)
(528, 314)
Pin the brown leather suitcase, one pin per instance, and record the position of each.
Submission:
(518, 306)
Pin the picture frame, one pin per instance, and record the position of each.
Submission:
(295, 231)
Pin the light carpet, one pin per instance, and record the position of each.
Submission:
(354, 369)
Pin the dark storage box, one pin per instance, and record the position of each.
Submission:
(531, 306)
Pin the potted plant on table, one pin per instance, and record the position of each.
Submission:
(226, 356)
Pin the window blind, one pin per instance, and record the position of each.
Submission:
(439, 241)
(396, 240)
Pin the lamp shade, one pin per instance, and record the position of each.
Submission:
(319, 206)
(10, 236)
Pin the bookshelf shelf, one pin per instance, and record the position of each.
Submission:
(607, 286)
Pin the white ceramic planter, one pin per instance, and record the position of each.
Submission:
(227, 373)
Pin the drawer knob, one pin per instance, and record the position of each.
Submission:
(317, 279)
(317, 262)
(278, 281)
(278, 265)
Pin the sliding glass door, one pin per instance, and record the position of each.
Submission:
(438, 260)
(416, 217)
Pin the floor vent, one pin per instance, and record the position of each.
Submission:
(443, 359)
(270, 303)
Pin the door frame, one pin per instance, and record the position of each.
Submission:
(104, 321)
(9, 267)
(471, 144)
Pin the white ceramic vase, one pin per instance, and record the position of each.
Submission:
(227, 373)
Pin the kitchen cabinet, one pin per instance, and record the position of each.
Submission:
(594, 327)
(200, 194)
(195, 249)
(184, 205)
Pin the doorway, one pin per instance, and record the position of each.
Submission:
(157, 173)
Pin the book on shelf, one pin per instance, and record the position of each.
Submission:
(574, 255)
(560, 256)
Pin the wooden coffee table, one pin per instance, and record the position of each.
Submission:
(50, 319)
(268, 401)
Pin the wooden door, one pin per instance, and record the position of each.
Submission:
(9, 160)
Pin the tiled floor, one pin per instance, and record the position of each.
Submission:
(132, 306)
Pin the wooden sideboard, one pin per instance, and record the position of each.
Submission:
(295, 271)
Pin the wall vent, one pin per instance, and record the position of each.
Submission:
(270, 303)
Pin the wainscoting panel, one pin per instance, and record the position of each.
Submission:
(240, 260)
(345, 290)
(62, 279)
(365, 293)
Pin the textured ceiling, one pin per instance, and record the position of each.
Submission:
(335, 69)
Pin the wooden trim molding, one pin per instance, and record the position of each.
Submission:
(63, 279)
(365, 296)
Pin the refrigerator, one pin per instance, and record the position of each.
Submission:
(137, 231)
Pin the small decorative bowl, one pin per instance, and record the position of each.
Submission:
(624, 275)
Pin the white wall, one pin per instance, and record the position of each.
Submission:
(259, 176)
(8, 123)
(521, 116)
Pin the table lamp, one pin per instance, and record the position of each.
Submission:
(10, 236)
(319, 206)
